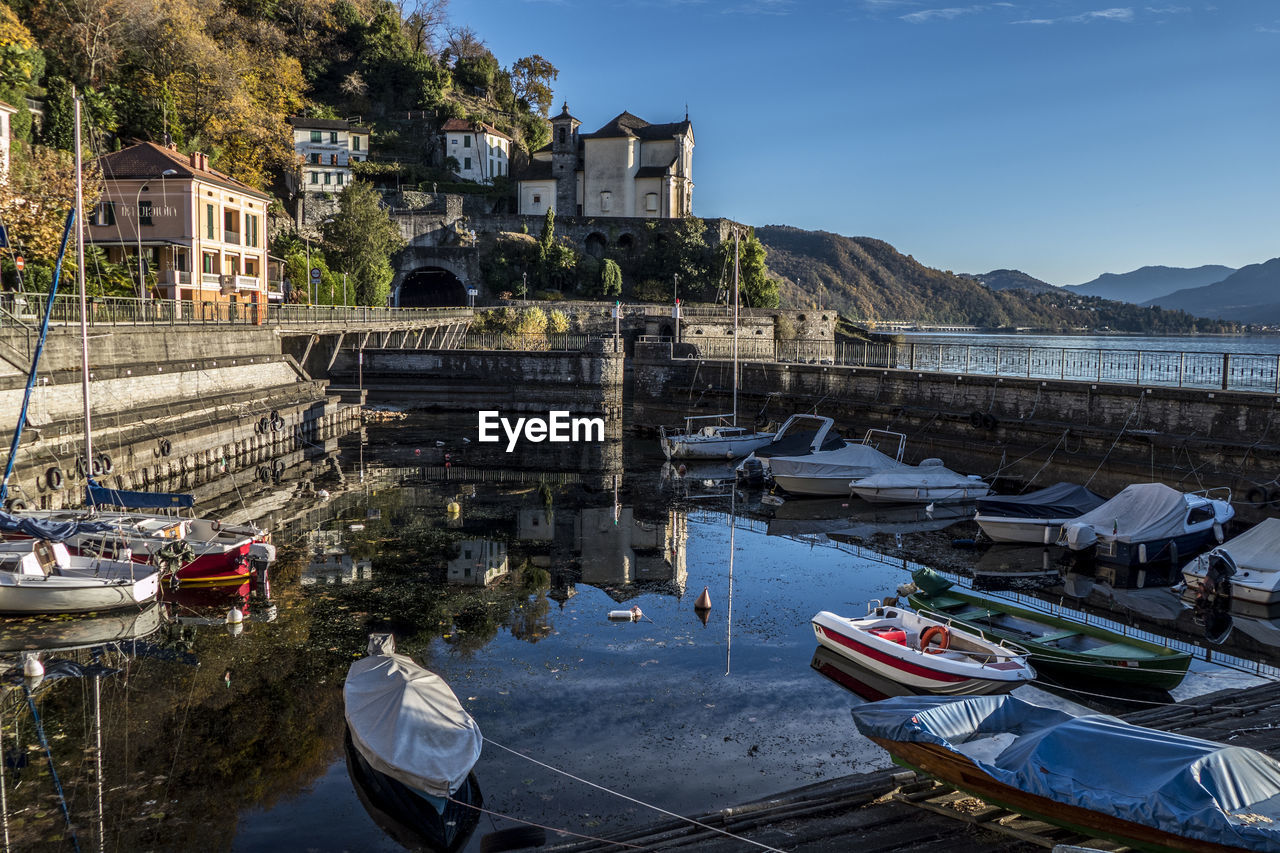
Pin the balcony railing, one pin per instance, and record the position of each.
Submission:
(211, 279)
(248, 282)
(231, 236)
(175, 277)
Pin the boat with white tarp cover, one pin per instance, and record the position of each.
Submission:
(1149, 523)
(407, 723)
(1036, 517)
(1094, 773)
(1246, 567)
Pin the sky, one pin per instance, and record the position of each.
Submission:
(1063, 138)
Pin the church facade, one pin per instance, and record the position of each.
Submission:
(628, 168)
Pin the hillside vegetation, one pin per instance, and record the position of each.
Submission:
(869, 279)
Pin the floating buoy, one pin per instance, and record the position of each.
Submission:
(453, 508)
(235, 616)
(704, 600)
(32, 667)
(632, 615)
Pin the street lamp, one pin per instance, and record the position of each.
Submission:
(137, 227)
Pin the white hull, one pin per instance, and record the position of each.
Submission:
(1029, 531)
(949, 672)
(72, 594)
(701, 447)
(1264, 593)
(817, 486)
(921, 494)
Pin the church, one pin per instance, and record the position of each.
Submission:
(628, 168)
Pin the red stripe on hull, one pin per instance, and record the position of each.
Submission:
(889, 660)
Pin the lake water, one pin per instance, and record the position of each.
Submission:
(219, 736)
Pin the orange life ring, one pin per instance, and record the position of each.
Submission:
(939, 632)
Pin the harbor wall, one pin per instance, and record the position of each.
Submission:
(1025, 430)
(172, 409)
(588, 382)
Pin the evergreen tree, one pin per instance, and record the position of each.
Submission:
(361, 238)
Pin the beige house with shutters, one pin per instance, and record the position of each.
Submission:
(201, 235)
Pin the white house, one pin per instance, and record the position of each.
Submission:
(628, 168)
(479, 562)
(483, 152)
(327, 148)
(6, 133)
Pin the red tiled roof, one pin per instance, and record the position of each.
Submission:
(148, 161)
(461, 124)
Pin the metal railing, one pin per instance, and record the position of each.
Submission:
(132, 311)
(1226, 371)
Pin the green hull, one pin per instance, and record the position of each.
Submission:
(1058, 646)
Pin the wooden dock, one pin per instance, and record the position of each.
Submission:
(896, 810)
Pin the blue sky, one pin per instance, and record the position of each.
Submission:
(1065, 138)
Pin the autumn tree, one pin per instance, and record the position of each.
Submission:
(35, 200)
(531, 79)
(361, 238)
(757, 288)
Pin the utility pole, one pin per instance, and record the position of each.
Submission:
(675, 293)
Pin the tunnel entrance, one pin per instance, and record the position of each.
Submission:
(431, 287)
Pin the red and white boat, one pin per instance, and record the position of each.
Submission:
(201, 551)
(923, 653)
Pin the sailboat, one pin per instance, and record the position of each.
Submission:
(195, 550)
(716, 436)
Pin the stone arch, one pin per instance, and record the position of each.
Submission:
(429, 287)
(626, 244)
(595, 245)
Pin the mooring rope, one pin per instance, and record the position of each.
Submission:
(629, 799)
(493, 814)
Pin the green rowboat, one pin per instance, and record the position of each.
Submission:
(1060, 647)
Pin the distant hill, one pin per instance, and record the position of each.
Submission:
(1147, 283)
(1014, 280)
(1249, 295)
(867, 278)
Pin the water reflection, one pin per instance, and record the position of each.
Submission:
(405, 815)
(331, 562)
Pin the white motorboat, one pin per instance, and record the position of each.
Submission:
(900, 644)
(799, 435)
(1149, 523)
(42, 577)
(1035, 518)
(1245, 568)
(828, 472)
(407, 724)
(926, 483)
(721, 440)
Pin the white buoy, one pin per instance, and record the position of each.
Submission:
(235, 616)
(632, 615)
(32, 667)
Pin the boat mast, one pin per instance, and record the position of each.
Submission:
(735, 325)
(84, 313)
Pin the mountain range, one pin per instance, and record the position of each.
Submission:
(867, 278)
(1148, 283)
(1249, 295)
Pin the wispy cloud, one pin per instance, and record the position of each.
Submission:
(1124, 15)
(1169, 10)
(947, 14)
(1266, 29)
(762, 7)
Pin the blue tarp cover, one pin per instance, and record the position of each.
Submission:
(1183, 785)
(96, 495)
(1061, 500)
(57, 531)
